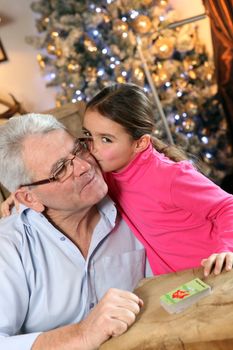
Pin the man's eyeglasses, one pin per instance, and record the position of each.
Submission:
(66, 167)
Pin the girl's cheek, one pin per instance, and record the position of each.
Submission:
(108, 155)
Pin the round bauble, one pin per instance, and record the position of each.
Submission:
(142, 24)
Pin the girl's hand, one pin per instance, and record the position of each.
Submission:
(217, 262)
(8, 204)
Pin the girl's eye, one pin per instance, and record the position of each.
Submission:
(106, 140)
(86, 133)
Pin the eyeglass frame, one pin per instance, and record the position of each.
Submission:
(83, 143)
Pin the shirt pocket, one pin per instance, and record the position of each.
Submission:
(122, 271)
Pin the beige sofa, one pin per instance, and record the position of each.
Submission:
(70, 115)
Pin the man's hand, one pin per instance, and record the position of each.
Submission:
(114, 314)
(217, 262)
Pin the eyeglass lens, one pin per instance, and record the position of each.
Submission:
(65, 169)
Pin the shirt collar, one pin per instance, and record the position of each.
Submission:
(106, 208)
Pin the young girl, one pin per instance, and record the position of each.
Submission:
(179, 215)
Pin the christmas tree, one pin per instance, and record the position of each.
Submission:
(86, 45)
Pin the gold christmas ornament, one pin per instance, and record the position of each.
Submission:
(164, 48)
(120, 79)
(192, 74)
(106, 18)
(39, 57)
(73, 67)
(190, 62)
(156, 79)
(205, 132)
(142, 24)
(51, 49)
(191, 107)
(209, 74)
(160, 77)
(91, 73)
(181, 83)
(163, 3)
(189, 125)
(42, 64)
(41, 61)
(163, 75)
(138, 75)
(90, 44)
(208, 71)
(120, 27)
(45, 21)
(54, 34)
(58, 52)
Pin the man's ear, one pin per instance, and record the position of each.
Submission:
(142, 143)
(29, 199)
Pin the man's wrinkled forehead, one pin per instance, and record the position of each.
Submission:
(46, 149)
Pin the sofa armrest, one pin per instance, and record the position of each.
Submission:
(70, 115)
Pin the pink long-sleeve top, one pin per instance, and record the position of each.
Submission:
(178, 214)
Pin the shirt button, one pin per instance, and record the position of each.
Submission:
(62, 239)
(91, 305)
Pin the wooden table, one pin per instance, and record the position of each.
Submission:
(207, 325)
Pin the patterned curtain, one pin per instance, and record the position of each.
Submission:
(220, 13)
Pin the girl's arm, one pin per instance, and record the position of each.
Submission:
(8, 204)
(198, 195)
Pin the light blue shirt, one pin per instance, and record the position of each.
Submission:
(46, 282)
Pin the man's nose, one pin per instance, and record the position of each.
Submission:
(81, 165)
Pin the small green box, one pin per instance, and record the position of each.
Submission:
(185, 295)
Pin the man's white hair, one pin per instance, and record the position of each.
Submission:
(13, 172)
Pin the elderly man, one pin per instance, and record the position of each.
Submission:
(64, 257)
